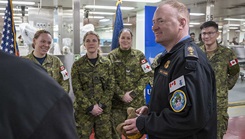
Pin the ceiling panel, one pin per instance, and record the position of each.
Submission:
(221, 10)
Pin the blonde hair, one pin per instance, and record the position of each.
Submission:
(181, 8)
(38, 33)
(91, 33)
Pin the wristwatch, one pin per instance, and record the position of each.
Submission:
(132, 94)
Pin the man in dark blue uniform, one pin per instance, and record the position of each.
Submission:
(183, 99)
(32, 104)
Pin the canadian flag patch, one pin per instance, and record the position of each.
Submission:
(143, 61)
(177, 83)
(233, 62)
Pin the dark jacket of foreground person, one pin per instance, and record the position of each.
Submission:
(32, 104)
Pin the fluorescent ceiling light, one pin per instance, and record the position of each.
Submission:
(127, 24)
(146, 1)
(102, 13)
(234, 19)
(233, 28)
(15, 14)
(70, 15)
(97, 17)
(20, 14)
(107, 7)
(17, 17)
(194, 23)
(197, 14)
(108, 30)
(104, 20)
(234, 25)
(15, 9)
(191, 26)
(19, 2)
(17, 21)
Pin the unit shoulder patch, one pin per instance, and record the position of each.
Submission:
(178, 101)
(145, 65)
(64, 73)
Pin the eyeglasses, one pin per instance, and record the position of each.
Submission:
(208, 33)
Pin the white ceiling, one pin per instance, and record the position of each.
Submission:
(221, 10)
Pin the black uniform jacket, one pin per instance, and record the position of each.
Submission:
(32, 104)
(183, 98)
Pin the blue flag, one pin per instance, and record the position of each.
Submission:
(118, 25)
(9, 44)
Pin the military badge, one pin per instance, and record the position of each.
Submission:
(145, 66)
(190, 50)
(233, 62)
(178, 101)
(166, 64)
(64, 73)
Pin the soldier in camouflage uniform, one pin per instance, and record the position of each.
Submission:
(53, 65)
(225, 65)
(131, 71)
(92, 81)
(154, 64)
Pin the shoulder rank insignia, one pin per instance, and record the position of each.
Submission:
(190, 51)
(178, 101)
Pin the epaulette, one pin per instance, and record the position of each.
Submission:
(190, 52)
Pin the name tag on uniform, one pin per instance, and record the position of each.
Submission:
(177, 83)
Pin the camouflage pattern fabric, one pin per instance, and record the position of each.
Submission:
(226, 76)
(129, 75)
(92, 84)
(154, 64)
(52, 65)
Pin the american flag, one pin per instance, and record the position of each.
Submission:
(9, 44)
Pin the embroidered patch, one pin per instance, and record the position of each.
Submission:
(233, 62)
(143, 61)
(176, 84)
(146, 67)
(64, 73)
(62, 68)
(178, 101)
(190, 50)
